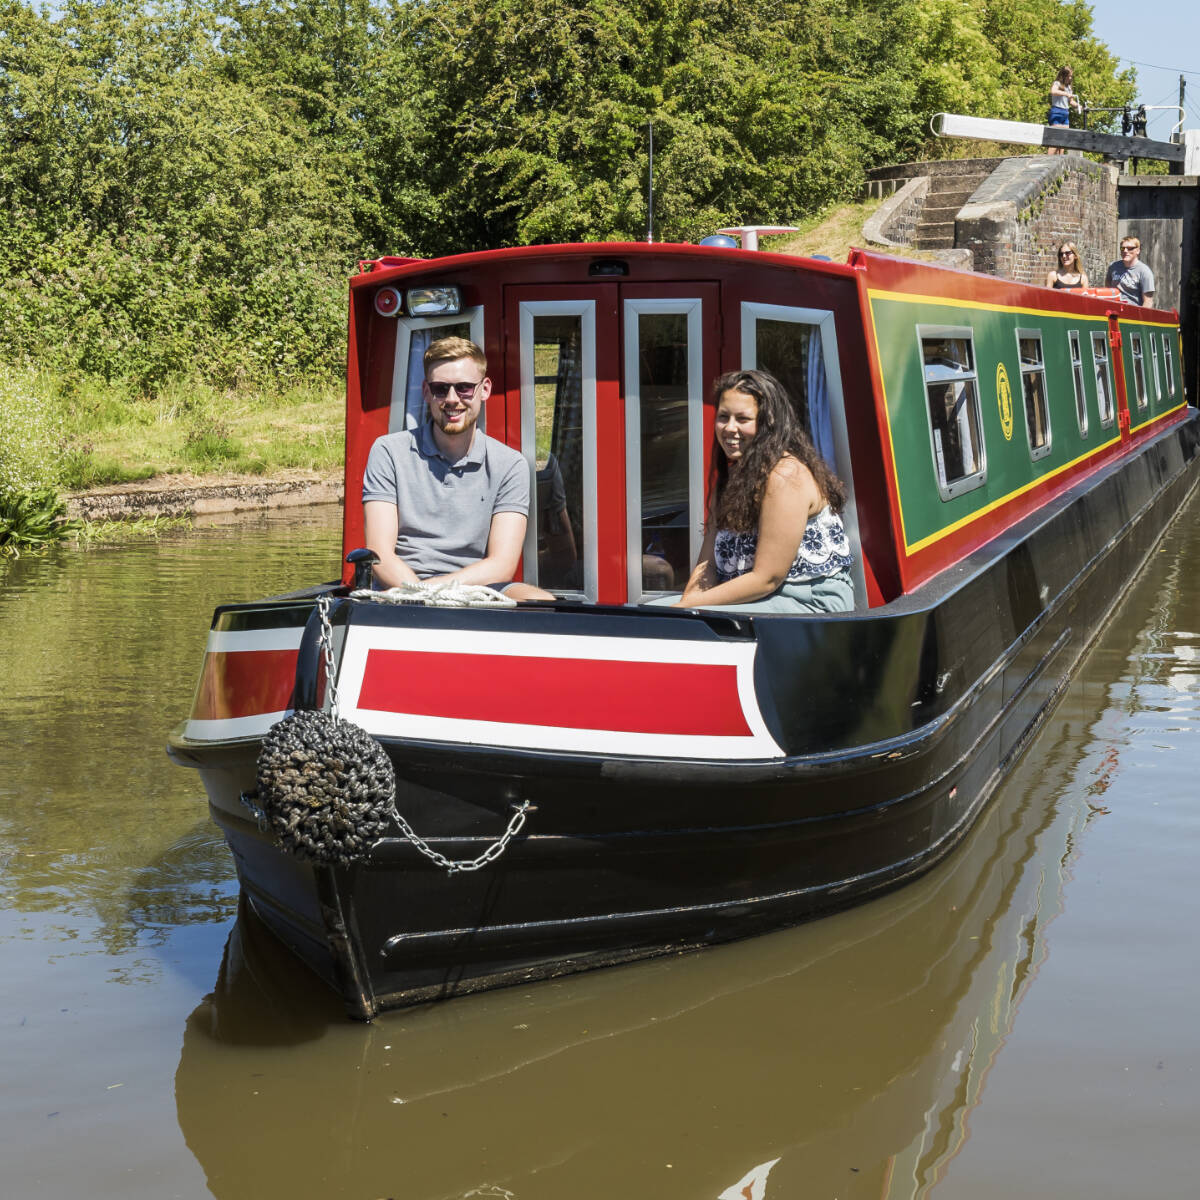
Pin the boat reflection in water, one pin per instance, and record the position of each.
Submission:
(852, 1050)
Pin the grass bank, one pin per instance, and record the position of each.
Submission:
(114, 436)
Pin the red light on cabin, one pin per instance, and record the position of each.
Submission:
(387, 302)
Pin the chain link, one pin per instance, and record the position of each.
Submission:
(323, 605)
(490, 855)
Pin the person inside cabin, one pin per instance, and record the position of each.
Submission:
(558, 559)
(1068, 272)
(1129, 275)
(444, 502)
(774, 540)
(1062, 100)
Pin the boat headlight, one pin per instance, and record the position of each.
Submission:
(433, 301)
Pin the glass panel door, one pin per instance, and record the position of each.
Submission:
(558, 420)
(664, 441)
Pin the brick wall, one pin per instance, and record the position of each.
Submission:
(1027, 207)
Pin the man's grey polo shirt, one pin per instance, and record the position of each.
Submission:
(445, 508)
(1135, 282)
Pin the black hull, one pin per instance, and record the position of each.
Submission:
(896, 726)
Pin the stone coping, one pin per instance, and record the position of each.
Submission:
(194, 495)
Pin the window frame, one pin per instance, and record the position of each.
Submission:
(1075, 352)
(825, 323)
(1035, 452)
(1100, 337)
(397, 412)
(1155, 369)
(691, 307)
(951, 489)
(1168, 365)
(585, 309)
(1137, 369)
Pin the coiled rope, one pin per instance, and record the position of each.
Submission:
(438, 595)
(327, 789)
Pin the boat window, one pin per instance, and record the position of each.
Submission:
(1077, 380)
(1169, 364)
(783, 348)
(1033, 388)
(1104, 402)
(1139, 368)
(1155, 369)
(664, 404)
(799, 347)
(558, 386)
(956, 428)
(413, 336)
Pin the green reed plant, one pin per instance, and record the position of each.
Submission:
(32, 521)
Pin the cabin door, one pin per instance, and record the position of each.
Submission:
(670, 336)
(612, 380)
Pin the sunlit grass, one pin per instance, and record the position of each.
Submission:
(116, 437)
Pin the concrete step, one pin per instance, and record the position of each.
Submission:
(960, 192)
(936, 214)
(939, 231)
(925, 242)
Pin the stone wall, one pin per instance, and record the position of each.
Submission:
(1017, 218)
(895, 221)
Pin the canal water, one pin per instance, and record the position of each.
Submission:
(1020, 1022)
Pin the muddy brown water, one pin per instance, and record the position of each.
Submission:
(1020, 1022)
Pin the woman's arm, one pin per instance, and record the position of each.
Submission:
(1051, 276)
(1083, 279)
(791, 497)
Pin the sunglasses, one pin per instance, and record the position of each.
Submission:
(1066, 254)
(464, 390)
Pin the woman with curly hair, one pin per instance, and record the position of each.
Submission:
(774, 540)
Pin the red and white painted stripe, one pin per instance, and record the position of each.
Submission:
(557, 692)
(246, 683)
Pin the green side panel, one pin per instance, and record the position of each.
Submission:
(1009, 465)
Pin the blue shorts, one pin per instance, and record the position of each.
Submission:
(1059, 116)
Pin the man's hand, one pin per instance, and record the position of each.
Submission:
(506, 540)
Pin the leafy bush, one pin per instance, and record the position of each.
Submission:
(33, 441)
(32, 520)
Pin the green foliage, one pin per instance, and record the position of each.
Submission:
(33, 444)
(32, 520)
(129, 530)
(187, 183)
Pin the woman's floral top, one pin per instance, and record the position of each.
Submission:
(824, 550)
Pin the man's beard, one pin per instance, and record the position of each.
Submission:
(444, 420)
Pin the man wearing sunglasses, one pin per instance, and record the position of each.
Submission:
(445, 502)
(1130, 276)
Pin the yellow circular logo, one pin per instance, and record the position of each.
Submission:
(1004, 401)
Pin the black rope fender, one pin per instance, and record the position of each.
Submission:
(325, 787)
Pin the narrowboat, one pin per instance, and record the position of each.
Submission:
(593, 779)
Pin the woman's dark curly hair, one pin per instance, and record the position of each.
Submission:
(736, 496)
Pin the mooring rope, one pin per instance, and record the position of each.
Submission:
(327, 789)
(438, 595)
